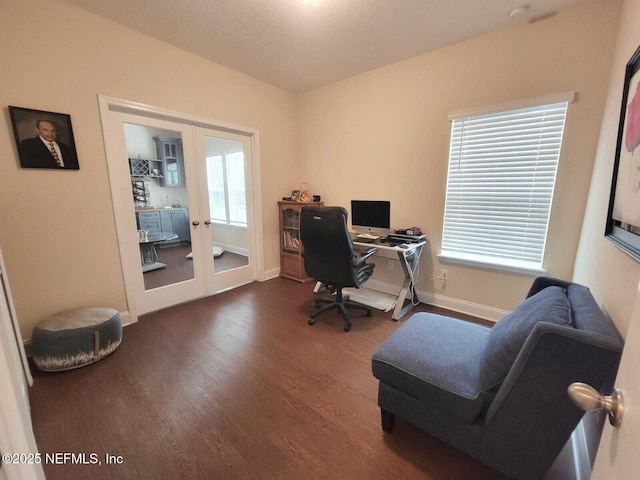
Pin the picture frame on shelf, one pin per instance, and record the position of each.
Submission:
(44, 139)
(295, 195)
(623, 216)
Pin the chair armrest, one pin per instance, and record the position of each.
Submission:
(363, 256)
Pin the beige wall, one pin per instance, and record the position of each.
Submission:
(57, 227)
(611, 274)
(385, 134)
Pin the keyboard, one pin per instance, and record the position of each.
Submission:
(367, 236)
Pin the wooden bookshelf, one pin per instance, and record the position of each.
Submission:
(291, 261)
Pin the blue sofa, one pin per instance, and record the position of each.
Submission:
(500, 394)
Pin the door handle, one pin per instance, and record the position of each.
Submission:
(587, 398)
(207, 222)
(195, 223)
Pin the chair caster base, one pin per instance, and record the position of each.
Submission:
(312, 321)
(347, 328)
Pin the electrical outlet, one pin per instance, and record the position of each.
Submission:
(390, 264)
(444, 274)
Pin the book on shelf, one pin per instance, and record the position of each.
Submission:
(291, 241)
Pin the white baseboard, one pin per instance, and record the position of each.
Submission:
(469, 308)
(233, 249)
(272, 273)
(127, 319)
(475, 309)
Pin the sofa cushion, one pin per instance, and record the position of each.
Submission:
(508, 335)
(435, 360)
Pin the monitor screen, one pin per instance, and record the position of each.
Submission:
(371, 215)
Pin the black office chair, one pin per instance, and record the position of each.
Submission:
(329, 258)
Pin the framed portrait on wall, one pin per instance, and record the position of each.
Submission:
(44, 139)
(623, 218)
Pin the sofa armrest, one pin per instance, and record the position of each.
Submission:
(541, 283)
(532, 414)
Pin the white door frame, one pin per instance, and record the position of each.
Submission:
(15, 414)
(114, 163)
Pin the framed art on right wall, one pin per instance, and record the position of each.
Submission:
(623, 218)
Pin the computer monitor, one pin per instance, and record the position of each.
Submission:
(371, 216)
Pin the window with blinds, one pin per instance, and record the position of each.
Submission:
(502, 172)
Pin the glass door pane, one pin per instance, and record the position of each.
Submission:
(227, 200)
(227, 203)
(161, 206)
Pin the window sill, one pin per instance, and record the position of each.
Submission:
(504, 267)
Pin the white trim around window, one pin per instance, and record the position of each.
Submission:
(564, 97)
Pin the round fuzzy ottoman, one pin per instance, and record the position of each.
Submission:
(75, 338)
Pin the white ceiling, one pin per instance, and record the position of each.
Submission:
(301, 44)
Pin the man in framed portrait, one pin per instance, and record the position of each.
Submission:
(45, 150)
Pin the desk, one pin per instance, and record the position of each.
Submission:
(148, 251)
(409, 258)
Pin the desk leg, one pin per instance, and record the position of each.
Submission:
(409, 262)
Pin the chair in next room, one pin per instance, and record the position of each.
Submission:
(329, 257)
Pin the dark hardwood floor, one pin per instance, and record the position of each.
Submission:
(233, 386)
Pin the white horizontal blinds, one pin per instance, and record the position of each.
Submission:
(502, 170)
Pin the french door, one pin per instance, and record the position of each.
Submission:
(190, 237)
(225, 178)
